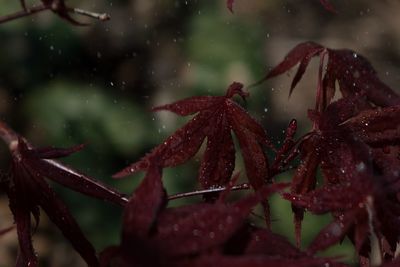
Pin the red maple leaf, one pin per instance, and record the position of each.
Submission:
(377, 126)
(353, 72)
(348, 133)
(205, 234)
(354, 179)
(216, 117)
(363, 202)
(27, 190)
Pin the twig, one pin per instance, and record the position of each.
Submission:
(99, 16)
(23, 13)
(36, 9)
(243, 186)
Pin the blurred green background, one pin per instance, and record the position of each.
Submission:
(63, 85)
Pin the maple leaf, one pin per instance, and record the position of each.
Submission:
(346, 198)
(162, 236)
(362, 201)
(192, 229)
(27, 190)
(335, 124)
(353, 191)
(318, 147)
(287, 152)
(353, 72)
(145, 204)
(205, 226)
(377, 127)
(360, 210)
(216, 117)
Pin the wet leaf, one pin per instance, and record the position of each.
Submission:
(355, 75)
(377, 127)
(164, 236)
(27, 191)
(216, 118)
(143, 207)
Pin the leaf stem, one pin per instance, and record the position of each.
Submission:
(243, 186)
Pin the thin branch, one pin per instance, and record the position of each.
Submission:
(36, 9)
(23, 13)
(94, 15)
(243, 186)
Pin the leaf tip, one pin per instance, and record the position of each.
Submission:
(229, 5)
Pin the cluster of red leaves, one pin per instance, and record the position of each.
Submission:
(204, 234)
(354, 141)
(27, 190)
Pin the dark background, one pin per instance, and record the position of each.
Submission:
(63, 85)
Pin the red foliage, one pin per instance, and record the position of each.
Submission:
(198, 235)
(347, 141)
(216, 117)
(27, 190)
(354, 141)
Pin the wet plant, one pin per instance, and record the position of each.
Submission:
(354, 141)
